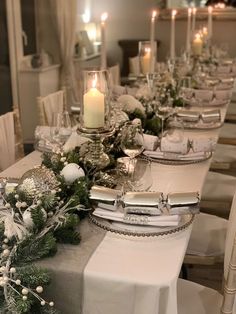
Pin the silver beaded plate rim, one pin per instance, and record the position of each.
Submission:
(207, 126)
(179, 162)
(105, 224)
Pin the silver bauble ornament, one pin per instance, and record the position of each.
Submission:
(71, 172)
(38, 181)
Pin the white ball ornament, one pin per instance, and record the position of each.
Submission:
(24, 298)
(39, 289)
(6, 252)
(25, 291)
(18, 282)
(72, 172)
(51, 303)
(12, 270)
(43, 303)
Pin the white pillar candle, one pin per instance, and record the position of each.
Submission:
(188, 37)
(94, 108)
(152, 42)
(145, 61)
(172, 35)
(197, 45)
(210, 9)
(194, 11)
(104, 17)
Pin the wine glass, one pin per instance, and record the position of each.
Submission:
(164, 110)
(60, 127)
(132, 143)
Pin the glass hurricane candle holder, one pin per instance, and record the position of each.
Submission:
(95, 102)
(147, 57)
(95, 116)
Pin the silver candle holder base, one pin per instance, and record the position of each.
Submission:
(96, 157)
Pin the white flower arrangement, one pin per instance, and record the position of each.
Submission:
(129, 104)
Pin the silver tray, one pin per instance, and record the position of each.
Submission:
(179, 162)
(139, 231)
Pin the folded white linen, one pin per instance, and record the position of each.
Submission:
(163, 221)
(150, 141)
(174, 143)
(202, 144)
(173, 156)
(223, 94)
(203, 95)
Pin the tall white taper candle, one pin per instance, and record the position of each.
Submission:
(172, 35)
(104, 17)
(188, 36)
(210, 9)
(152, 42)
(194, 11)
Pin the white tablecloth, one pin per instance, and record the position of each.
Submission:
(128, 275)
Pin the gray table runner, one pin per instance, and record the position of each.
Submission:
(67, 268)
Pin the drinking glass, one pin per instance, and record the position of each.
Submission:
(164, 110)
(60, 127)
(132, 144)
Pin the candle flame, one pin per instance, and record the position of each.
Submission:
(147, 50)
(210, 9)
(197, 36)
(174, 12)
(94, 81)
(104, 16)
(189, 11)
(154, 14)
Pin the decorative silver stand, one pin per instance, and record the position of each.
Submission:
(96, 155)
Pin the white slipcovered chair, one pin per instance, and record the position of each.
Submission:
(50, 104)
(197, 299)
(7, 140)
(115, 74)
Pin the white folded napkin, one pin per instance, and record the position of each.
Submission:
(172, 156)
(202, 144)
(150, 141)
(223, 94)
(163, 221)
(203, 95)
(174, 143)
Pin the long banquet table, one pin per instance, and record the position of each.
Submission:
(113, 274)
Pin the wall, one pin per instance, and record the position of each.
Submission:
(131, 19)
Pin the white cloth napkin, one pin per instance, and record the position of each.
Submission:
(150, 141)
(174, 144)
(202, 144)
(223, 94)
(162, 221)
(7, 140)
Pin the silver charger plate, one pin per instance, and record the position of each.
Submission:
(141, 231)
(202, 126)
(179, 162)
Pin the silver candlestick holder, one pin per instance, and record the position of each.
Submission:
(96, 155)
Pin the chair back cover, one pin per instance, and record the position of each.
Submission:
(7, 140)
(115, 74)
(229, 305)
(134, 67)
(50, 104)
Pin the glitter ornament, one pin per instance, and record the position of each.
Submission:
(72, 172)
(39, 180)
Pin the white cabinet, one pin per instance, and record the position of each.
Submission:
(33, 83)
